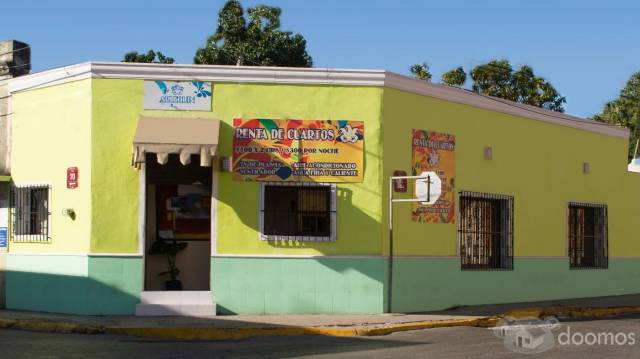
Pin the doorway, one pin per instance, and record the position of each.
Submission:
(178, 220)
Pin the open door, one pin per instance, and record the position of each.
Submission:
(178, 225)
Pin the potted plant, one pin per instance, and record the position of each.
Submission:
(169, 248)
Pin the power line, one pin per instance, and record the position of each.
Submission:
(15, 66)
(13, 51)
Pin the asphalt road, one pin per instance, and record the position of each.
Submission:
(430, 343)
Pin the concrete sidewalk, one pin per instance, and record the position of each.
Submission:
(243, 326)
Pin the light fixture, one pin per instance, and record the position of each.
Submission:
(488, 153)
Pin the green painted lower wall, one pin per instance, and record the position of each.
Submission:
(112, 285)
(115, 284)
(435, 284)
(298, 285)
(73, 284)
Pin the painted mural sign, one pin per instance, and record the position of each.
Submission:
(434, 151)
(173, 95)
(298, 150)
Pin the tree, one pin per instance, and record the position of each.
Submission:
(258, 42)
(421, 71)
(497, 78)
(625, 111)
(456, 77)
(150, 57)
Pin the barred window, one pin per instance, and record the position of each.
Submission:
(304, 212)
(485, 231)
(588, 235)
(30, 213)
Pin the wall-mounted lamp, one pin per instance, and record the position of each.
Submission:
(69, 212)
(585, 168)
(488, 153)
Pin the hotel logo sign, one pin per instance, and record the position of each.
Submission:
(174, 95)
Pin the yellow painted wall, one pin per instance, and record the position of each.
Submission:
(52, 131)
(538, 163)
(117, 106)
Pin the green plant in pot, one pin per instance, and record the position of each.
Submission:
(170, 249)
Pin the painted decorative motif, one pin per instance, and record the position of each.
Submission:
(298, 150)
(172, 95)
(434, 151)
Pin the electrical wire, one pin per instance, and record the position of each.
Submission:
(13, 51)
(15, 66)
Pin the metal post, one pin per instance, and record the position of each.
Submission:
(390, 279)
(391, 201)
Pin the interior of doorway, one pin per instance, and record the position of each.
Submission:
(178, 210)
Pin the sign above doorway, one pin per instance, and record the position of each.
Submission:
(173, 95)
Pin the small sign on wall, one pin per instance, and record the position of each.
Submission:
(3, 237)
(72, 177)
(177, 95)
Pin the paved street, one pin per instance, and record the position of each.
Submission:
(431, 343)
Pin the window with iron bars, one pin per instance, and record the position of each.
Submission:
(485, 231)
(302, 212)
(588, 235)
(30, 212)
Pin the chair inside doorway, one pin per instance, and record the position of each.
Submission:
(178, 218)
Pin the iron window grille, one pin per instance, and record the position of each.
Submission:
(588, 242)
(30, 213)
(298, 211)
(485, 231)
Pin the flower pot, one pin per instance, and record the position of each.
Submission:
(173, 285)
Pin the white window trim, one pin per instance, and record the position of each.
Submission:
(28, 238)
(331, 238)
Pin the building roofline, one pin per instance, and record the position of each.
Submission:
(305, 76)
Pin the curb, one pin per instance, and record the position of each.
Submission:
(573, 312)
(48, 326)
(243, 333)
(195, 333)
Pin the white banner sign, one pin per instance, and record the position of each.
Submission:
(172, 95)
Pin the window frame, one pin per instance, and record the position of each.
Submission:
(30, 237)
(598, 263)
(332, 210)
(506, 234)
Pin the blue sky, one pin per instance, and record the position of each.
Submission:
(587, 49)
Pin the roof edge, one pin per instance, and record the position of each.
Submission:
(462, 96)
(309, 76)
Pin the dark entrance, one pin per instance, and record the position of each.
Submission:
(178, 211)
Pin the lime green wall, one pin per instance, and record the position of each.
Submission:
(540, 164)
(117, 104)
(51, 130)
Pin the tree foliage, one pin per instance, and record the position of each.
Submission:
(421, 71)
(498, 78)
(150, 57)
(257, 42)
(625, 110)
(456, 77)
